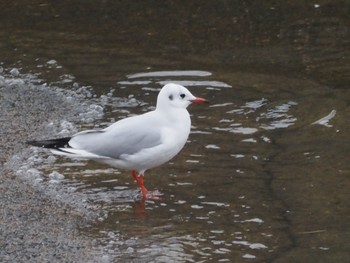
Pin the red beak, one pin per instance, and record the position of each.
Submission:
(199, 100)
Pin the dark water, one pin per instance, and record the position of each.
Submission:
(265, 174)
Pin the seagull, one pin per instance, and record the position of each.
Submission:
(136, 143)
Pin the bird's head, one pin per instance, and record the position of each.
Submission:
(177, 96)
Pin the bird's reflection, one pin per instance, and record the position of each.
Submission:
(140, 209)
(140, 203)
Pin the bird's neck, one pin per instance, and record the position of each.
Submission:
(176, 115)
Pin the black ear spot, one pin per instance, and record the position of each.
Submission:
(182, 95)
(171, 97)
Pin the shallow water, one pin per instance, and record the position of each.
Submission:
(264, 175)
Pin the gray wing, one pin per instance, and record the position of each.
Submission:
(124, 137)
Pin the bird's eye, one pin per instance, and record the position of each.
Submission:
(182, 95)
(171, 97)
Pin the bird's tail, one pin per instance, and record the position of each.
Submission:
(51, 144)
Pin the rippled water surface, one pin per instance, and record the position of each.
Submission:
(265, 173)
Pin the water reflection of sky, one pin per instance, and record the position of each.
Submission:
(263, 116)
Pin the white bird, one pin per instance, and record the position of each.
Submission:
(136, 143)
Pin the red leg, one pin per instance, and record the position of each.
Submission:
(139, 181)
(154, 195)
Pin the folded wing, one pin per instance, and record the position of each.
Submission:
(123, 138)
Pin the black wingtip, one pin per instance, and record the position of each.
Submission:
(51, 144)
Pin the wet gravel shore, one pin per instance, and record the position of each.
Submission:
(34, 226)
